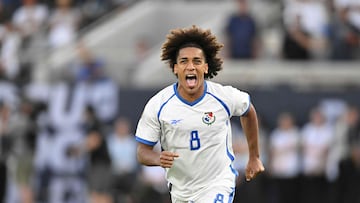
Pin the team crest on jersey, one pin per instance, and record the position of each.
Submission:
(208, 118)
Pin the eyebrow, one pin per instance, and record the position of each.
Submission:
(196, 57)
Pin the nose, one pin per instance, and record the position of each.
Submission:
(190, 66)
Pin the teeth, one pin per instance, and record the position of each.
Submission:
(191, 77)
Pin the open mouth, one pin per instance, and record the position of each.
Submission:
(191, 80)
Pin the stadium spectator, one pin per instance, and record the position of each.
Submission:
(241, 33)
(347, 129)
(22, 151)
(30, 18)
(4, 148)
(9, 56)
(350, 176)
(284, 167)
(15, 148)
(316, 140)
(346, 125)
(125, 168)
(99, 169)
(9, 93)
(336, 113)
(63, 24)
(345, 30)
(101, 90)
(306, 34)
(353, 125)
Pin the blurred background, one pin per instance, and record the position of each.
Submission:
(75, 76)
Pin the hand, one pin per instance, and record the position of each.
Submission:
(167, 159)
(253, 168)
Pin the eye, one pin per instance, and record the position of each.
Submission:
(182, 62)
(197, 61)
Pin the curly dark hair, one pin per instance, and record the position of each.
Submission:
(193, 37)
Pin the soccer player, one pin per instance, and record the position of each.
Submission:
(191, 120)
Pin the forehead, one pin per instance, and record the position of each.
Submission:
(191, 52)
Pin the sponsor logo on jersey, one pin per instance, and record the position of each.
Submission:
(175, 121)
(208, 118)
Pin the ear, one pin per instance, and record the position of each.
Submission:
(206, 68)
(175, 70)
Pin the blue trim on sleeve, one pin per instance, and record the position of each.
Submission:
(221, 102)
(145, 141)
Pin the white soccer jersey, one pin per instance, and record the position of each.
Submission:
(199, 132)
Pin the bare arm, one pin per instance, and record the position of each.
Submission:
(147, 156)
(250, 127)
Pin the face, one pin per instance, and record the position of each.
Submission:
(285, 122)
(63, 3)
(29, 2)
(190, 68)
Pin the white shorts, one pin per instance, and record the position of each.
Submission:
(216, 194)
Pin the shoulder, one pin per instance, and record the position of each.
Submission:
(161, 97)
(157, 102)
(233, 17)
(211, 86)
(222, 90)
(234, 100)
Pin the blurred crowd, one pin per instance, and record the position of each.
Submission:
(316, 162)
(63, 141)
(67, 141)
(307, 30)
(31, 28)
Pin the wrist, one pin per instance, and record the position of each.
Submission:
(254, 156)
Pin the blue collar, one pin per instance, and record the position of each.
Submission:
(187, 102)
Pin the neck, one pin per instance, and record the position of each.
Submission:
(190, 96)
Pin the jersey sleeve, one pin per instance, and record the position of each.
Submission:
(240, 101)
(148, 128)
